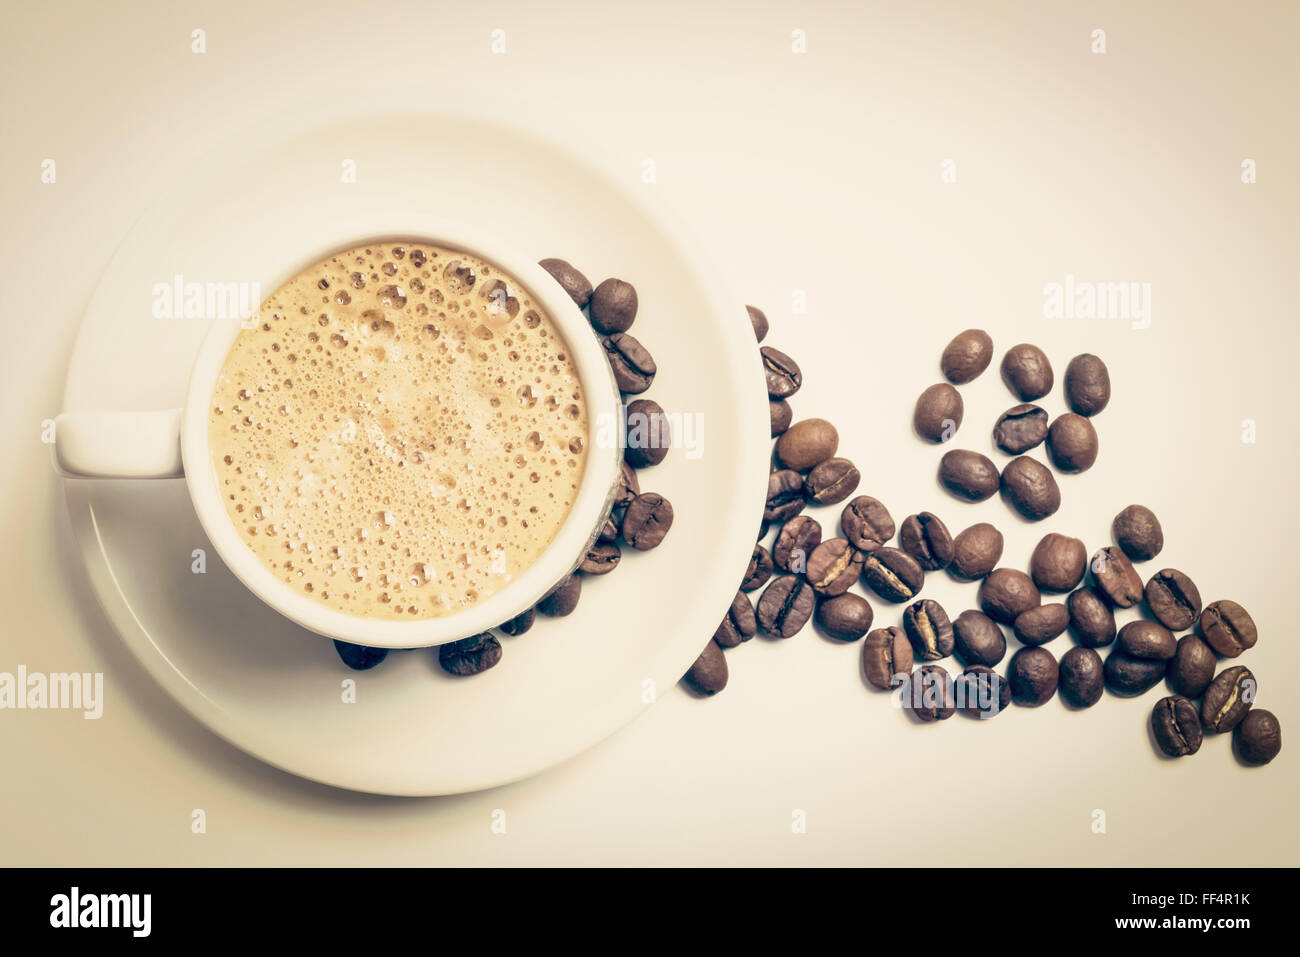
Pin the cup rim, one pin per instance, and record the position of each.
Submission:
(579, 529)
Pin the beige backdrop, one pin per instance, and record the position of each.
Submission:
(818, 171)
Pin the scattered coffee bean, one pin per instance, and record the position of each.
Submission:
(925, 537)
(977, 639)
(601, 558)
(471, 655)
(759, 570)
(647, 520)
(519, 624)
(968, 475)
(1038, 626)
(929, 630)
(1228, 698)
(1034, 675)
(562, 599)
(1082, 678)
(1257, 739)
(982, 693)
(633, 366)
(892, 574)
(708, 675)
(795, 542)
(938, 412)
(613, 306)
(806, 443)
(610, 528)
(784, 496)
(780, 412)
(1058, 563)
(976, 551)
(930, 694)
(758, 319)
(783, 375)
(969, 354)
(1031, 488)
(1137, 531)
(1027, 372)
(846, 617)
(1228, 628)
(831, 482)
(649, 436)
(786, 605)
(1147, 639)
(1020, 428)
(571, 281)
(1131, 676)
(1116, 577)
(1091, 617)
(740, 623)
(628, 486)
(1072, 443)
(1173, 599)
(1176, 726)
(764, 527)
(1087, 384)
(866, 523)
(832, 567)
(887, 657)
(1007, 593)
(1191, 669)
(359, 657)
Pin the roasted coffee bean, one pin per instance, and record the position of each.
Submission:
(831, 482)
(1228, 698)
(976, 551)
(784, 496)
(633, 366)
(780, 412)
(1087, 384)
(1082, 678)
(647, 520)
(925, 537)
(1020, 428)
(977, 639)
(759, 570)
(1137, 531)
(519, 624)
(892, 574)
(846, 617)
(610, 528)
(982, 692)
(628, 486)
(764, 527)
(601, 558)
(1228, 628)
(471, 655)
(1007, 593)
(740, 623)
(938, 412)
(708, 675)
(1176, 726)
(969, 354)
(359, 657)
(1027, 372)
(1091, 617)
(795, 542)
(929, 630)
(930, 695)
(968, 475)
(613, 306)
(1031, 488)
(783, 374)
(1034, 675)
(866, 523)
(1257, 739)
(758, 319)
(1147, 639)
(1116, 577)
(1131, 676)
(887, 657)
(562, 599)
(832, 567)
(1058, 563)
(1038, 626)
(1191, 669)
(786, 605)
(806, 443)
(649, 436)
(1173, 599)
(1072, 443)
(571, 281)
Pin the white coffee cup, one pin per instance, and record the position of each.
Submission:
(173, 443)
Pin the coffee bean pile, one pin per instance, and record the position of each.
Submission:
(807, 577)
(636, 519)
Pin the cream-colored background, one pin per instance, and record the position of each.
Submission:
(817, 172)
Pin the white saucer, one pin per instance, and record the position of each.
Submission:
(275, 690)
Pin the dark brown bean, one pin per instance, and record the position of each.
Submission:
(470, 656)
(571, 281)
(846, 617)
(1191, 669)
(784, 496)
(1020, 428)
(1058, 563)
(866, 523)
(648, 433)
(783, 374)
(968, 475)
(938, 412)
(613, 306)
(1038, 626)
(1116, 577)
(1072, 443)
(1228, 698)
(966, 356)
(1228, 628)
(831, 482)
(925, 537)
(892, 574)
(1031, 488)
(1147, 639)
(758, 319)
(930, 695)
(708, 675)
(1082, 677)
(832, 567)
(795, 542)
(519, 624)
(759, 570)
(976, 551)
(1007, 593)
(1087, 384)
(780, 412)
(601, 558)
(562, 599)
(1091, 617)
(647, 520)
(1138, 533)
(929, 630)
(887, 657)
(786, 605)
(740, 623)
(806, 443)
(1176, 726)
(633, 367)
(1027, 372)
(977, 639)
(1173, 599)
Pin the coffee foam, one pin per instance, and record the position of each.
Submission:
(402, 434)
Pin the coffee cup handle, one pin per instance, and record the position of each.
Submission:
(130, 445)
